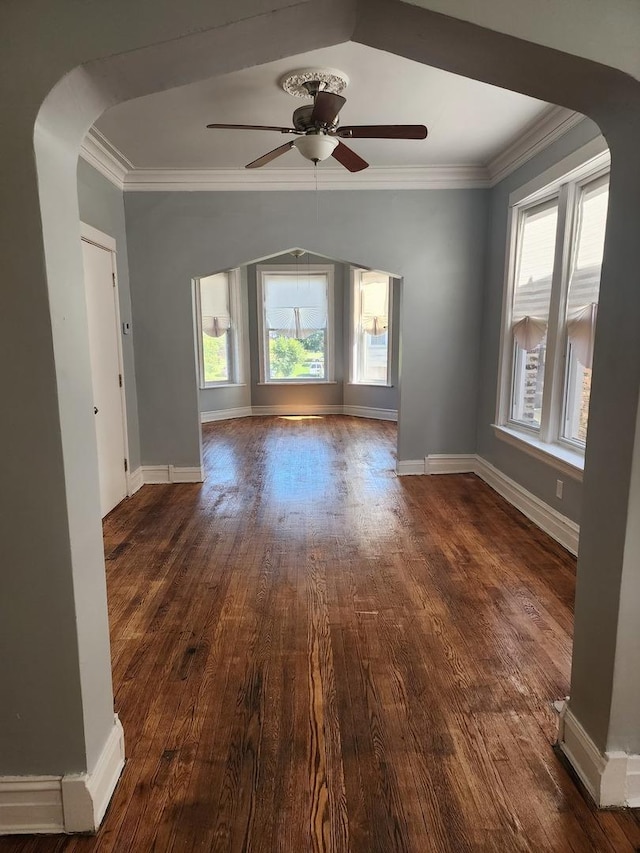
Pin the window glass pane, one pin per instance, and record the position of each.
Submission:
(582, 300)
(535, 253)
(215, 358)
(578, 391)
(295, 320)
(215, 319)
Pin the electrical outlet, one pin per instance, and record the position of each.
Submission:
(559, 485)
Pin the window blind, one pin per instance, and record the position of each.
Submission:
(532, 291)
(374, 291)
(296, 307)
(214, 305)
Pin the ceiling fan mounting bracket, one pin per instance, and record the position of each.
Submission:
(307, 82)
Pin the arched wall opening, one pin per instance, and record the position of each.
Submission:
(72, 606)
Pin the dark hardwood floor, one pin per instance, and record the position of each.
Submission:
(312, 654)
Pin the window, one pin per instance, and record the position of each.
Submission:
(370, 353)
(551, 306)
(295, 310)
(218, 317)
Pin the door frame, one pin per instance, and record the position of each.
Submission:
(92, 235)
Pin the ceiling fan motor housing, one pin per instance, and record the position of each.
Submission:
(302, 118)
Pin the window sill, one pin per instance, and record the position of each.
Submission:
(223, 385)
(371, 384)
(287, 382)
(564, 459)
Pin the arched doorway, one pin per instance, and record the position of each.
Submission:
(54, 535)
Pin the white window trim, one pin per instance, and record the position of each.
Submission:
(561, 180)
(266, 269)
(236, 366)
(371, 384)
(353, 272)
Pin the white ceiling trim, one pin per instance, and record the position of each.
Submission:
(553, 124)
(374, 178)
(105, 157)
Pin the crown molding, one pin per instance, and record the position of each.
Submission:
(374, 178)
(554, 123)
(99, 152)
(105, 158)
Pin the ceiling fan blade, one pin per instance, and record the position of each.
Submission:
(383, 131)
(326, 107)
(252, 127)
(348, 158)
(271, 155)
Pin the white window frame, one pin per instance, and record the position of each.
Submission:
(355, 334)
(563, 181)
(234, 351)
(264, 270)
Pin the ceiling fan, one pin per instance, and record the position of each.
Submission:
(316, 125)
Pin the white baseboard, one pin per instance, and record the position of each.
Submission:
(85, 796)
(225, 414)
(410, 466)
(136, 481)
(612, 778)
(296, 409)
(30, 804)
(301, 409)
(558, 526)
(369, 412)
(451, 463)
(154, 474)
(57, 804)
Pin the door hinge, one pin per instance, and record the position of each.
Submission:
(113, 278)
(126, 465)
(120, 379)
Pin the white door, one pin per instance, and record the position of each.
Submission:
(106, 372)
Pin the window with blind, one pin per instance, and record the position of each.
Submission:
(295, 323)
(370, 353)
(218, 316)
(552, 287)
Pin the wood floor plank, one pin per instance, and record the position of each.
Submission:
(312, 655)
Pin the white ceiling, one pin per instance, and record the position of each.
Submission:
(469, 122)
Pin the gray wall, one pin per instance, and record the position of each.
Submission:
(434, 239)
(536, 476)
(102, 206)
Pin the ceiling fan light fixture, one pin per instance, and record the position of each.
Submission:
(316, 146)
